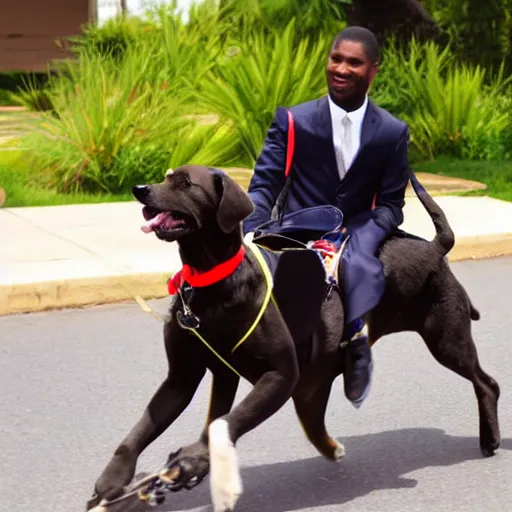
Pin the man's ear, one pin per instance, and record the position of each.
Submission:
(234, 205)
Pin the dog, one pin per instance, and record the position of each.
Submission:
(283, 355)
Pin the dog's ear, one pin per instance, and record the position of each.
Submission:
(234, 205)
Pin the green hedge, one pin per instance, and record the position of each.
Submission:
(124, 114)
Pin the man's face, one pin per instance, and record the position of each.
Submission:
(349, 73)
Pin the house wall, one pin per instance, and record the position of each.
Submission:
(28, 29)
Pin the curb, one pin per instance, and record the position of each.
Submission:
(481, 247)
(83, 292)
(87, 292)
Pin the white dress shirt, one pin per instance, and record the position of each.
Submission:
(344, 158)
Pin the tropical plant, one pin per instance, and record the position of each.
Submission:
(110, 39)
(390, 89)
(449, 106)
(117, 121)
(262, 73)
(455, 111)
(480, 32)
(312, 17)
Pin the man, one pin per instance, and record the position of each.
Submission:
(351, 154)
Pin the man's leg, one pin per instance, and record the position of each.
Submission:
(363, 281)
(358, 363)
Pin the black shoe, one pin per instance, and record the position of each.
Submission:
(358, 369)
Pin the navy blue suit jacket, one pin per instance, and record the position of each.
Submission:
(379, 168)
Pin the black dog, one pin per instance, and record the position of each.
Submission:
(282, 357)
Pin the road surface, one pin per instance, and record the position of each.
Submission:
(73, 382)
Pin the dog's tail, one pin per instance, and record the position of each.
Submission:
(445, 238)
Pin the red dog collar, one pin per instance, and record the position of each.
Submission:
(198, 279)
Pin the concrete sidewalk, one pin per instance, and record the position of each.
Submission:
(67, 256)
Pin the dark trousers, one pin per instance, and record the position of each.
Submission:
(361, 274)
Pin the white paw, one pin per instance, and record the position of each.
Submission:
(225, 480)
(99, 508)
(339, 451)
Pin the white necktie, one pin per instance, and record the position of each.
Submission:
(346, 142)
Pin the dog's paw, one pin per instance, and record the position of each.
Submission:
(188, 466)
(98, 508)
(339, 451)
(118, 474)
(225, 479)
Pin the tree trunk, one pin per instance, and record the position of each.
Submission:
(124, 8)
(401, 18)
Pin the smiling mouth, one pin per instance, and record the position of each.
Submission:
(163, 221)
(340, 82)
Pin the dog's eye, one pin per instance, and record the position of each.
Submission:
(186, 182)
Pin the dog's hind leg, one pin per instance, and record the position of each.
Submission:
(310, 408)
(448, 336)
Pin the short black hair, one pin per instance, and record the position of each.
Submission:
(360, 35)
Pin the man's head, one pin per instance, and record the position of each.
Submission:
(352, 65)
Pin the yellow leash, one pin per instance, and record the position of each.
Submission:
(268, 295)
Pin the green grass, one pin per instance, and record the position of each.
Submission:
(22, 188)
(497, 175)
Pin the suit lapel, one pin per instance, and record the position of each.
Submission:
(323, 129)
(371, 122)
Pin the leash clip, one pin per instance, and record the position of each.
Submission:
(186, 318)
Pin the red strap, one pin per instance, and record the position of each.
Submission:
(199, 279)
(291, 147)
(374, 201)
(291, 144)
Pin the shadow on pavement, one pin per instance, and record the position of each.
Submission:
(373, 462)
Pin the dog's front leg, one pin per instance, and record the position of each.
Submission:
(268, 395)
(193, 461)
(169, 401)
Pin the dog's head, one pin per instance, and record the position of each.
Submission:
(191, 199)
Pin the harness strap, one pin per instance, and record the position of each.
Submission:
(268, 295)
(268, 279)
(290, 149)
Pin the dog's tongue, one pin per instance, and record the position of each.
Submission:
(150, 225)
(164, 220)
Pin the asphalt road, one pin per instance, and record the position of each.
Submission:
(73, 382)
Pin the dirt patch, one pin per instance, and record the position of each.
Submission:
(435, 184)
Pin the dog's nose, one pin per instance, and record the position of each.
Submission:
(140, 191)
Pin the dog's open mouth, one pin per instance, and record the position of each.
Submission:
(157, 220)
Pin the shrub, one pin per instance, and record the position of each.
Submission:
(99, 111)
(449, 107)
(391, 86)
(262, 73)
(111, 39)
(120, 121)
(480, 32)
(33, 96)
(268, 16)
(456, 114)
(6, 97)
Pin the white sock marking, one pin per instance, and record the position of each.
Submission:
(339, 452)
(225, 480)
